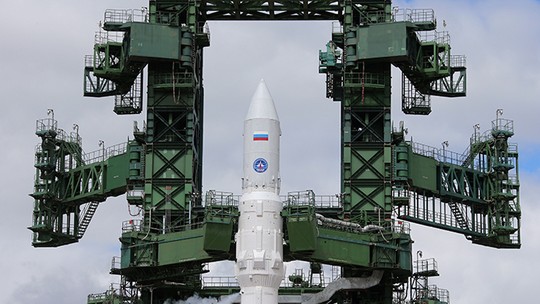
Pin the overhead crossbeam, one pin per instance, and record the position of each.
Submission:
(271, 10)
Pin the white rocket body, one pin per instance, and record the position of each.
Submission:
(259, 240)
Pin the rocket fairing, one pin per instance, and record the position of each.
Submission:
(259, 240)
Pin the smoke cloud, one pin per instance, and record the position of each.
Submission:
(196, 299)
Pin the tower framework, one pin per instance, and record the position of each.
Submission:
(384, 178)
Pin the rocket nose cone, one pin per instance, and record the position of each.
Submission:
(262, 104)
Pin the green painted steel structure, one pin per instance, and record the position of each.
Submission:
(163, 255)
(475, 193)
(69, 184)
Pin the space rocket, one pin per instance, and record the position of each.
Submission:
(259, 239)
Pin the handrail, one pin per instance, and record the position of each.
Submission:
(103, 154)
(219, 281)
(46, 124)
(502, 124)
(221, 198)
(231, 282)
(426, 265)
(309, 198)
(414, 15)
(103, 37)
(132, 225)
(116, 262)
(458, 60)
(442, 37)
(126, 15)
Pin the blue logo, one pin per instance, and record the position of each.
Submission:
(260, 165)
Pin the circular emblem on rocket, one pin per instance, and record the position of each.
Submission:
(260, 165)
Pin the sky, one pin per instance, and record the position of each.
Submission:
(44, 43)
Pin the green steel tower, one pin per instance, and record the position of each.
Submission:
(385, 178)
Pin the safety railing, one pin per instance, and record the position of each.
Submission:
(337, 27)
(308, 197)
(424, 150)
(135, 193)
(72, 137)
(94, 156)
(514, 238)
(414, 15)
(132, 225)
(451, 157)
(301, 198)
(427, 265)
(46, 124)
(297, 198)
(434, 36)
(103, 154)
(116, 262)
(220, 198)
(107, 296)
(401, 227)
(512, 148)
(366, 79)
(125, 15)
(205, 29)
(502, 124)
(421, 15)
(40, 156)
(512, 180)
(103, 37)
(441, 155)
(481, 138)
(328, 201)
(89, 61)
(176, 78)
(435, 293)
(231, 282)
(43, 187)
(142, 227)
(96, 297)
(219, 281)
(447, 156)
(458, 61)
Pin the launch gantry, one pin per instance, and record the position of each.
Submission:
(382, 174)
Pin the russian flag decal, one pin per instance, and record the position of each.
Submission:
(260, 136)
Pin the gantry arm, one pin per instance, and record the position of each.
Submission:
(475, 194)
(69, 184)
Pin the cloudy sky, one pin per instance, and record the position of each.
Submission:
(43, 45)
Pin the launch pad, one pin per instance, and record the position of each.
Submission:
(385, 179)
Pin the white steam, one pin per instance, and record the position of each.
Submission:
(230, 299)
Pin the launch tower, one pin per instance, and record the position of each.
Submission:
(385, 179)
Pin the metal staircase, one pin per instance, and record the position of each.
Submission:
(478, 144)
(87, 214)
(460, 218)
